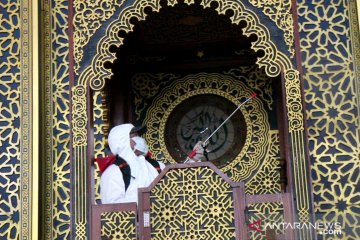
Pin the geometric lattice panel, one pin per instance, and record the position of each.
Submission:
(10, 120)
(118, 225)
(58, 122)
(268, 213)
(267, 177)
(192, 203)
(331, 94)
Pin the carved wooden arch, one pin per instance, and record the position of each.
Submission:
(273, 60)
(95, 75)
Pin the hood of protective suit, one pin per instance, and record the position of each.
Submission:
(119, 142)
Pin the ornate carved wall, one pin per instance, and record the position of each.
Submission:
(329, 45)
(276, 59)
(56, 121)
(16, 116)
(329, 40)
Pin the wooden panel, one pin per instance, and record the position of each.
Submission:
(191, 201)
(98, 210)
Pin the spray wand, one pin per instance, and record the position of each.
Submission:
(193, 153)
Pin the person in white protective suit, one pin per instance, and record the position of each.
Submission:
(126, 171)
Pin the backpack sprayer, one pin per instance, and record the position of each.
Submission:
(193, 153)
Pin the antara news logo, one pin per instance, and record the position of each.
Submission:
(322, 228)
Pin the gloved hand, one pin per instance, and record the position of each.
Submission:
(197, 153)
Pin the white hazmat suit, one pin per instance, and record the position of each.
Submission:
(112, 186)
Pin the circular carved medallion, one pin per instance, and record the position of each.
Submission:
(199, 117)
(249, 136)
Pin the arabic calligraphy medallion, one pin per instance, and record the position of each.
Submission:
(196, 118)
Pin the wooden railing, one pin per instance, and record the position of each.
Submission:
(186, 200)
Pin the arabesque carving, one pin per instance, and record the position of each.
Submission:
(273, 61)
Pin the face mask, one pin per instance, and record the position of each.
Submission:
(140, 145)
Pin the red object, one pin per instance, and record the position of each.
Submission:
(123, 165)
(104, 162)
(256, 226)
(253, 95)
(192, 154)
(149, 154)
